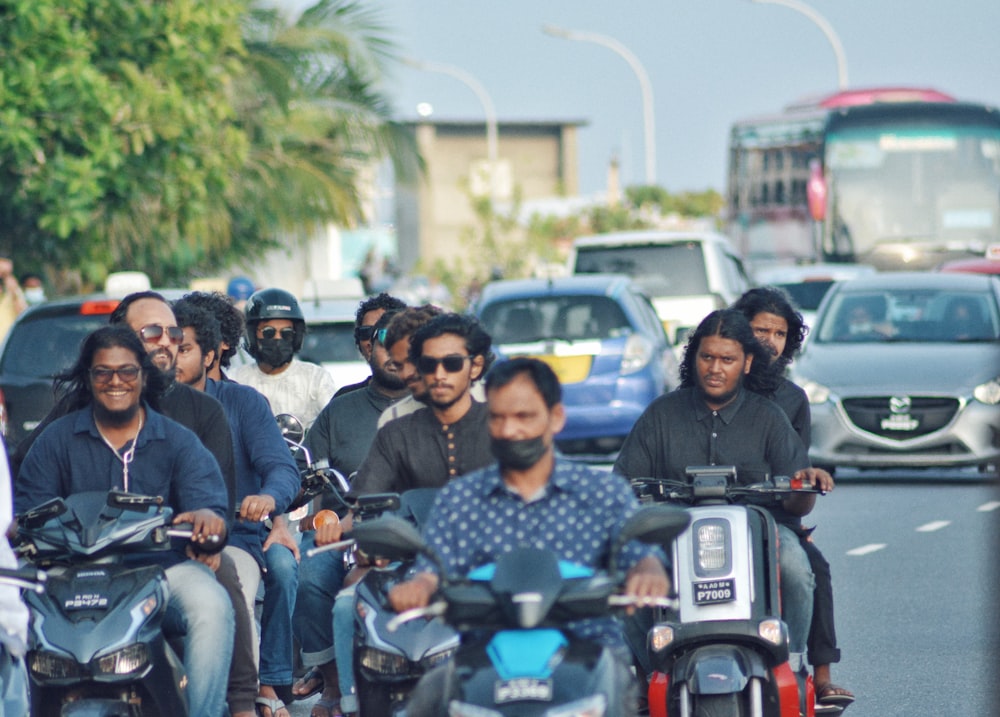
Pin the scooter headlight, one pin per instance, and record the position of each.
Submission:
(432, 661)
(46, 665)
(383, 663)
(711, 547)
(129, 660)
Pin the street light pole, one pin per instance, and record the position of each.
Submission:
(473, 84)
(645, 86)
(827, 29)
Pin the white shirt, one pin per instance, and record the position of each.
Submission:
(303, 389)
(13, 612)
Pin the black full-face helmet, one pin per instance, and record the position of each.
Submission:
(273, 304)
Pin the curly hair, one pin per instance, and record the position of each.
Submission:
(772, 300)
(731, 324)
(205, 325)
(230, 319)
(407, 321)
(477, 341)
(382, 301)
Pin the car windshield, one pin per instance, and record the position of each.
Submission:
(47, 344)
(676, 269)
(568, 318)
(329, 343)
(918, 315)
(807, 295)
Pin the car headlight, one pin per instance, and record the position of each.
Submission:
(988, 393)
(637, 354)
(815, 392)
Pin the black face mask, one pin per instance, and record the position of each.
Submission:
(274, 352)
(520, 454)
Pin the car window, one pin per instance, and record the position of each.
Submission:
(806, 295)
(327, 343)
(658, 269)
(572, 318)
(911, 315)
(47, 345)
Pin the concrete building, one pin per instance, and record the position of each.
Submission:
(535, 159)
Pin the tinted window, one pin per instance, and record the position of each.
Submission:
(571, 318)
(47, 345)
(807, 294)
(325, 343)
(658, 269)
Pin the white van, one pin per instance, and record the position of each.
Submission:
(687, 275)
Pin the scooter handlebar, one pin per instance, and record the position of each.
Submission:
(26, 578)
(435, 609)
(339, 545)
(633, 601)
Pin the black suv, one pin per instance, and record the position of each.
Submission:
(44, 341)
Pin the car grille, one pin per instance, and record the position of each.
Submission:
(928, 414)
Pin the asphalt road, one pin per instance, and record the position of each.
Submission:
(915, 573)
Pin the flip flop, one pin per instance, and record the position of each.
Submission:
(274, 705)
(330, 707)
(831, 694)
(311, 675)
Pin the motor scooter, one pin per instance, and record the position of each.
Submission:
(13, 676)
(518, 655)
(725, 650)
(388, 663)
(96, 647)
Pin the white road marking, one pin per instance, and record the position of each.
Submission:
(933, 525)
(865, 549)
(987, 507)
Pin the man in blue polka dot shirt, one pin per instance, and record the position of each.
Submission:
(533, 498)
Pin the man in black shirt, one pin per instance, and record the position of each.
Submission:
(369, 312)
(712, 419)
(779, 327)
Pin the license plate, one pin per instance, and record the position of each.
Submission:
(86, 601)
(715, 591)
(900, 422)
(522, 688)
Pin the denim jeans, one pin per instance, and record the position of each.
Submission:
(343, 644)
(280, 586)
(320, 579)
(797, 585)
(200, 610)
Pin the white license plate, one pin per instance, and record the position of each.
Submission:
(522, 688)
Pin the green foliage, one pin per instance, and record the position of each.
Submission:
(708, 203)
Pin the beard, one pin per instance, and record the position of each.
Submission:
(115, 418)
(387, 379)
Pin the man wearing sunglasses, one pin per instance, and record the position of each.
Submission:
(275, 329)
(369, 312)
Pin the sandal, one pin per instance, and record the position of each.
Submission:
(274, 705)
(330, 707)
(835, 695)
(312, 675)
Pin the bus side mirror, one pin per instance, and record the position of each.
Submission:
(816, 191)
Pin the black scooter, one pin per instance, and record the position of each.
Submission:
(96, 647)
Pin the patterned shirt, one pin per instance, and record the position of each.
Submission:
(578, 515)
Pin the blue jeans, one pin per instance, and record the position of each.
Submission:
(320, 578)
(280, 586)
(200, 610)
(343, 644)
(797, 585)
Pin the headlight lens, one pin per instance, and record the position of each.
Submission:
(638, 353)
(711, 547)
(126, 661)
(660, 637)
(771, 631)
(384, 663)
(52, 666)
(988, 393)
(815, 392)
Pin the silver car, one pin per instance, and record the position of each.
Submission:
(902, 370)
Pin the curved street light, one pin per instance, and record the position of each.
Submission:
(827, 30)
(473, 84)
(644, 85)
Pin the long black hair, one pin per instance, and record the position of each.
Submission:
(773, 300)
(731, 324)
(73, 385)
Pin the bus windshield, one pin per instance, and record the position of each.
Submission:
(904, 183)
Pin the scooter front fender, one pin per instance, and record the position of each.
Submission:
(718, 669)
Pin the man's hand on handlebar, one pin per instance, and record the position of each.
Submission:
(204, 525)
(817, 478)
(646, 579)
(256, 508)
(413, 593)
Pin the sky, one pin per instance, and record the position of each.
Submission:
(710, 62)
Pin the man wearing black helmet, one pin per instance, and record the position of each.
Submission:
(274, 333)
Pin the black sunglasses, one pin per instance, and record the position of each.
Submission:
(128, 374)
(364, 333)
(269, 332)
(452, 364)
(153, 332)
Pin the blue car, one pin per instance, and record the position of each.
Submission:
(602, 337)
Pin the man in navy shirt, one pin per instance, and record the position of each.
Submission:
(532, 498)
(113, 439)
